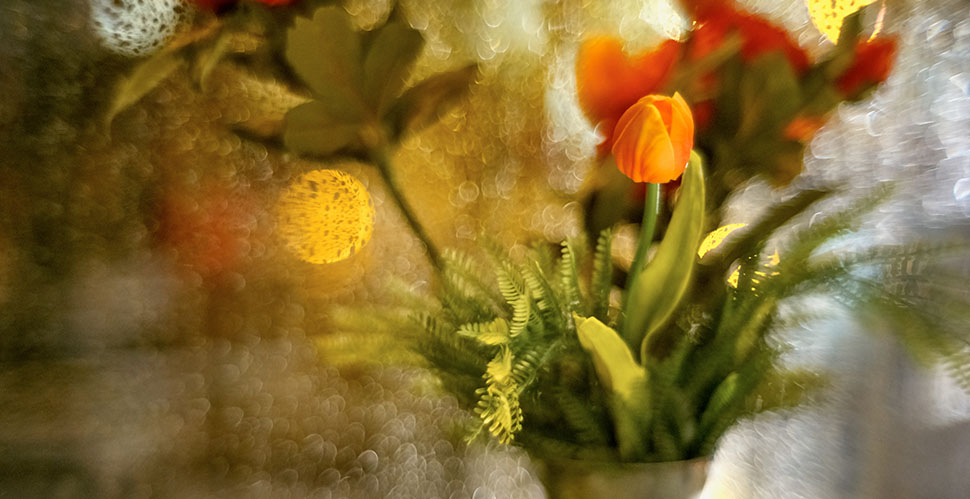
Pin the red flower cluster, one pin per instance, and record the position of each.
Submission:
(717, 20)
(610, 82)
(871, 65)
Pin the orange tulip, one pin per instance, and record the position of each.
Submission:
(654, 138)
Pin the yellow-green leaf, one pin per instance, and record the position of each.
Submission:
(624, 379)
(656, 292)
(424, 104)
(612, 358)
(311, 130)
(388, 63)
(143, 79)
(325, 53)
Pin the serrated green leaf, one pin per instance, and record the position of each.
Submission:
(389, 60)
(424, 104)
(142, 80)
(656, 292)
(309, 129)
(325, 53)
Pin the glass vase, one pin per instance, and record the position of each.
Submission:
(581, 479)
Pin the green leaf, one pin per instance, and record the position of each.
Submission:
(143, 79)
(388, 63)
(612, 359)
(208, 57)
(720, 401)
(624, 379)
(423, 104)
(311, 130)
(770, 96)
(656, 292)
(783, 389)
(325, 53)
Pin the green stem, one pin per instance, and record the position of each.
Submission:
(382, 162)
(651, 206)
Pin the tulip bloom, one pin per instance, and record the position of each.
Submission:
(654, 138)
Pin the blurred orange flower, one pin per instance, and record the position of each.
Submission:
(654, 138)
(872, 64)
(803, 128)
(609, 81)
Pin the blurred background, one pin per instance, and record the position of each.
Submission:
(157, 334)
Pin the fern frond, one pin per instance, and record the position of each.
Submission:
(465, 273)
(491, 333)
(582, 418)
(602, 279)
(806, 241)
(353, 349)
(545, 297)
(569, 281)
(521, 310)
(528, 363)
(499, 404)
(510, 282)
(726, 404)
(449, 351)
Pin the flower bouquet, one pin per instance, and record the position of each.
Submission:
(569, 351)
(584, 362)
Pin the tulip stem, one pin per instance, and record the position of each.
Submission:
(651, 206)
(382, 162)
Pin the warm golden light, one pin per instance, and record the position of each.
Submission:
(716, 236)
(827, 15)
(326, 216)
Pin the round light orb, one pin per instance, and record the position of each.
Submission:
(326, 216)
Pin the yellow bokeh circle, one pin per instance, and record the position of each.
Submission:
(827, 15)
(326, 216)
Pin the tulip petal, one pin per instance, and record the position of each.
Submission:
(681, 130)
(642, 148)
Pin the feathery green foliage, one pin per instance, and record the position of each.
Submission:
(502, 336)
